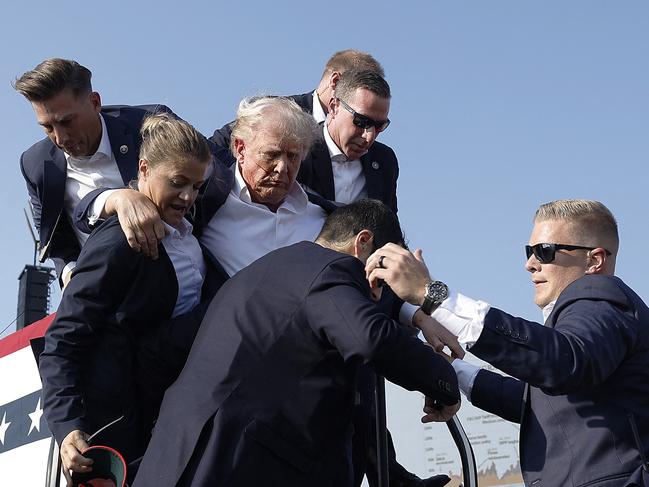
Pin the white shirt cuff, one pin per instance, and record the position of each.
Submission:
(406, 313)
(97, 207)
(466, 374)
(65, 273)
(462, 316)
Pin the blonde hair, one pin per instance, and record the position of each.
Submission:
(169, 139)
(286, 115)
(592, 220)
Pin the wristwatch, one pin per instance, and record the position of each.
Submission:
(435, 292)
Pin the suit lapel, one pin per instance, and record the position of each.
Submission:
(54, 174)
(125, 146)
(322, 172)
(373, 179)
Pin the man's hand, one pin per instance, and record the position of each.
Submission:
(71, 447)
(439, 412)
(436, 335)
(139, 219)
(406, 273)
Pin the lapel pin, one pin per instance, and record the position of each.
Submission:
(375, 165)
(123, 149)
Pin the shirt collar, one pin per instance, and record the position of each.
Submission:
(335, 154)
(296, 199)
(547, 310)
(318, 112)
(183, 229)
(104, 147)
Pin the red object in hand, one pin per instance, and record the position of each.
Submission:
(99, 483)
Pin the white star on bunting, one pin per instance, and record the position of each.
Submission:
(3, 428)
(36, 418)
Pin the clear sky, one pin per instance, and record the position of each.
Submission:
(497, 107)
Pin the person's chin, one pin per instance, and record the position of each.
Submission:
(277, 192)
(353, 154)
(540, 300)
(173, 218)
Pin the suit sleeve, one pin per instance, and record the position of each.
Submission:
(588, 342)
(99, 283)
(340, 312)
(221, 139)
(65, 246)
(35, 201)
(499, 395)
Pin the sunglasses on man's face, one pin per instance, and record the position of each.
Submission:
(544, 252)
(364, 122)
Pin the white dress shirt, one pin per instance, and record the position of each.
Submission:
(186, 256)
(242, 231)
(233, 234)
(349, 178)
(464, 317)
(318, 112)
(85, 174)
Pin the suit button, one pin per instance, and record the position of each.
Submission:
(507, 333)
(524, 337)
(515, 334)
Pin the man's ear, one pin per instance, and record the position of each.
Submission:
(143, 167)
(596, 261)
(363, 244)
(333, 81)
(239, 150)
(333, 105)
(95, 100)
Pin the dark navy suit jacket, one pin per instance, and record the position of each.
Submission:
(105, 351)
(266, 395)
(380, 168)
(581, 375)
(44, 168)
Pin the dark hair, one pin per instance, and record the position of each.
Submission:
(53, 76)
(354, 79)
(366, 214)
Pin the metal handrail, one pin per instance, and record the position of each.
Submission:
(469, 470)
(53, 472)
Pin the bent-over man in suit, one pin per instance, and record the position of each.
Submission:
(581, 381)
(87, 147)
(268, 390)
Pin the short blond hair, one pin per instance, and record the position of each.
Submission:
(348, 59)
(169, 139)
(284, 114)
(593, 221)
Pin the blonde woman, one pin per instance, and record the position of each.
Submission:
(116, 299)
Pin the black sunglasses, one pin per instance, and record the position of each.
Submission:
(364, 122)
(544, 252)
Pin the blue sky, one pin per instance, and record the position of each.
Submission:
(497, 107)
